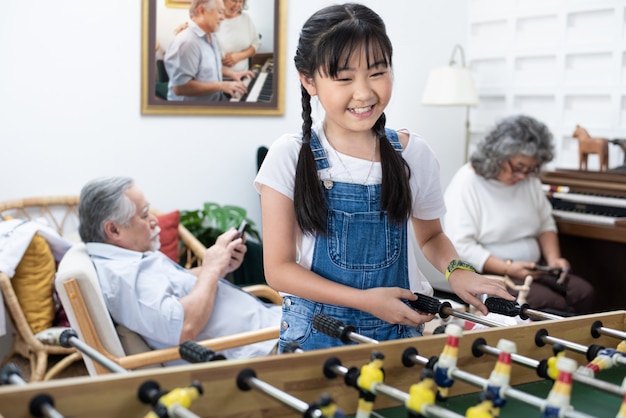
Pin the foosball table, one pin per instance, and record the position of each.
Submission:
(501, 360)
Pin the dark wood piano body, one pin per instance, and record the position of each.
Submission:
(596, 251)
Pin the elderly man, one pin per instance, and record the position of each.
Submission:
(151, 295)
(194, 62)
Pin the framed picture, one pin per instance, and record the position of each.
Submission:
(266, 95)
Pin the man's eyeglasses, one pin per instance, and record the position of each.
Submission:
(523, 170)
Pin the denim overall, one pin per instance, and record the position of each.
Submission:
(362, 249)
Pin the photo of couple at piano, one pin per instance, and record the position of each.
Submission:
(210, 56)
(500, 219)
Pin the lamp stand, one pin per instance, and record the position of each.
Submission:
(467, 133)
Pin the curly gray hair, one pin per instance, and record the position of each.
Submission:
(514, 135)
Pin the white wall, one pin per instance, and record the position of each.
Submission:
(70, 103)
(69, 109)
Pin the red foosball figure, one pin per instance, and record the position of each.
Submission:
(606, 358)
(501, 375)
(560, 394)
(447, 360)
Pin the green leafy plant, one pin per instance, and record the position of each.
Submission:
(213, 219)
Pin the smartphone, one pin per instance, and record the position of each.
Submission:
(241, 228)
(555, 271)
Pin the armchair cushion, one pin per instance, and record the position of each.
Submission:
(168, 222)
(33, 284)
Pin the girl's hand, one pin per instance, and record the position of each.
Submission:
(468, 285)
(388, 304)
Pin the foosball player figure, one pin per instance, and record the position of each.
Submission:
(422, 394)
(607, 358)
(552, 371)
(447, 360)
(484, 409)
(370, 374)
(559, 397)
(179, 396)
(328, 407)
(500, 376)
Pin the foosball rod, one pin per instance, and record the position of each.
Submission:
(409, 359)
(334, 368)
(480, 347)
(542, 338)
(597, 329)
(247, 379)
(69, 338)
(512, 308)
(432, 305)
(188, 350)
(41, 405)
(331, 326)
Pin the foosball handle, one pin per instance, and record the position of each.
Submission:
(506, 307)
(429, 305)
(333, 327)
(193, 352)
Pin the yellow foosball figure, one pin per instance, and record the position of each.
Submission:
(484, 409)
(422, 394)
(370, 374)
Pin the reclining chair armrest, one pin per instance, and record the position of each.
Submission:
(164, 355)
(265, 292)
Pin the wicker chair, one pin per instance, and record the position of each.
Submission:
(61, 213)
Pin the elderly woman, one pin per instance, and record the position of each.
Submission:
(500, 220)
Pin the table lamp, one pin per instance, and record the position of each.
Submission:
(452, 85)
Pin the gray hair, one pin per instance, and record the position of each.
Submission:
(101, 200)
(196, 4)
(514, 135)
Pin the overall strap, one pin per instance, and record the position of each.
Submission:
(319, 153)
(392, 136)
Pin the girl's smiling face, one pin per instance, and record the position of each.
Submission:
(355, 98)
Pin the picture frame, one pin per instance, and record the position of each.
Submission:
(160, 18)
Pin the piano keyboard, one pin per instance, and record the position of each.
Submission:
(594, 200)
(584, 217)
(260, 88)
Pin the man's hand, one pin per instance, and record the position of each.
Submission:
(226, 255)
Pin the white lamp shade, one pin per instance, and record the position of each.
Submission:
(450, 86)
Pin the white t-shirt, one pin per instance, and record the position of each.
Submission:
(279, 169)
(237, 34)
(489, 217)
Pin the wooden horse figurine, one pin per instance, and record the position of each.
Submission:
(588, 145)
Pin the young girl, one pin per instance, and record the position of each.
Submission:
(336, 199)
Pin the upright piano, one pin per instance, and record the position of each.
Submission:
(590, 211)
